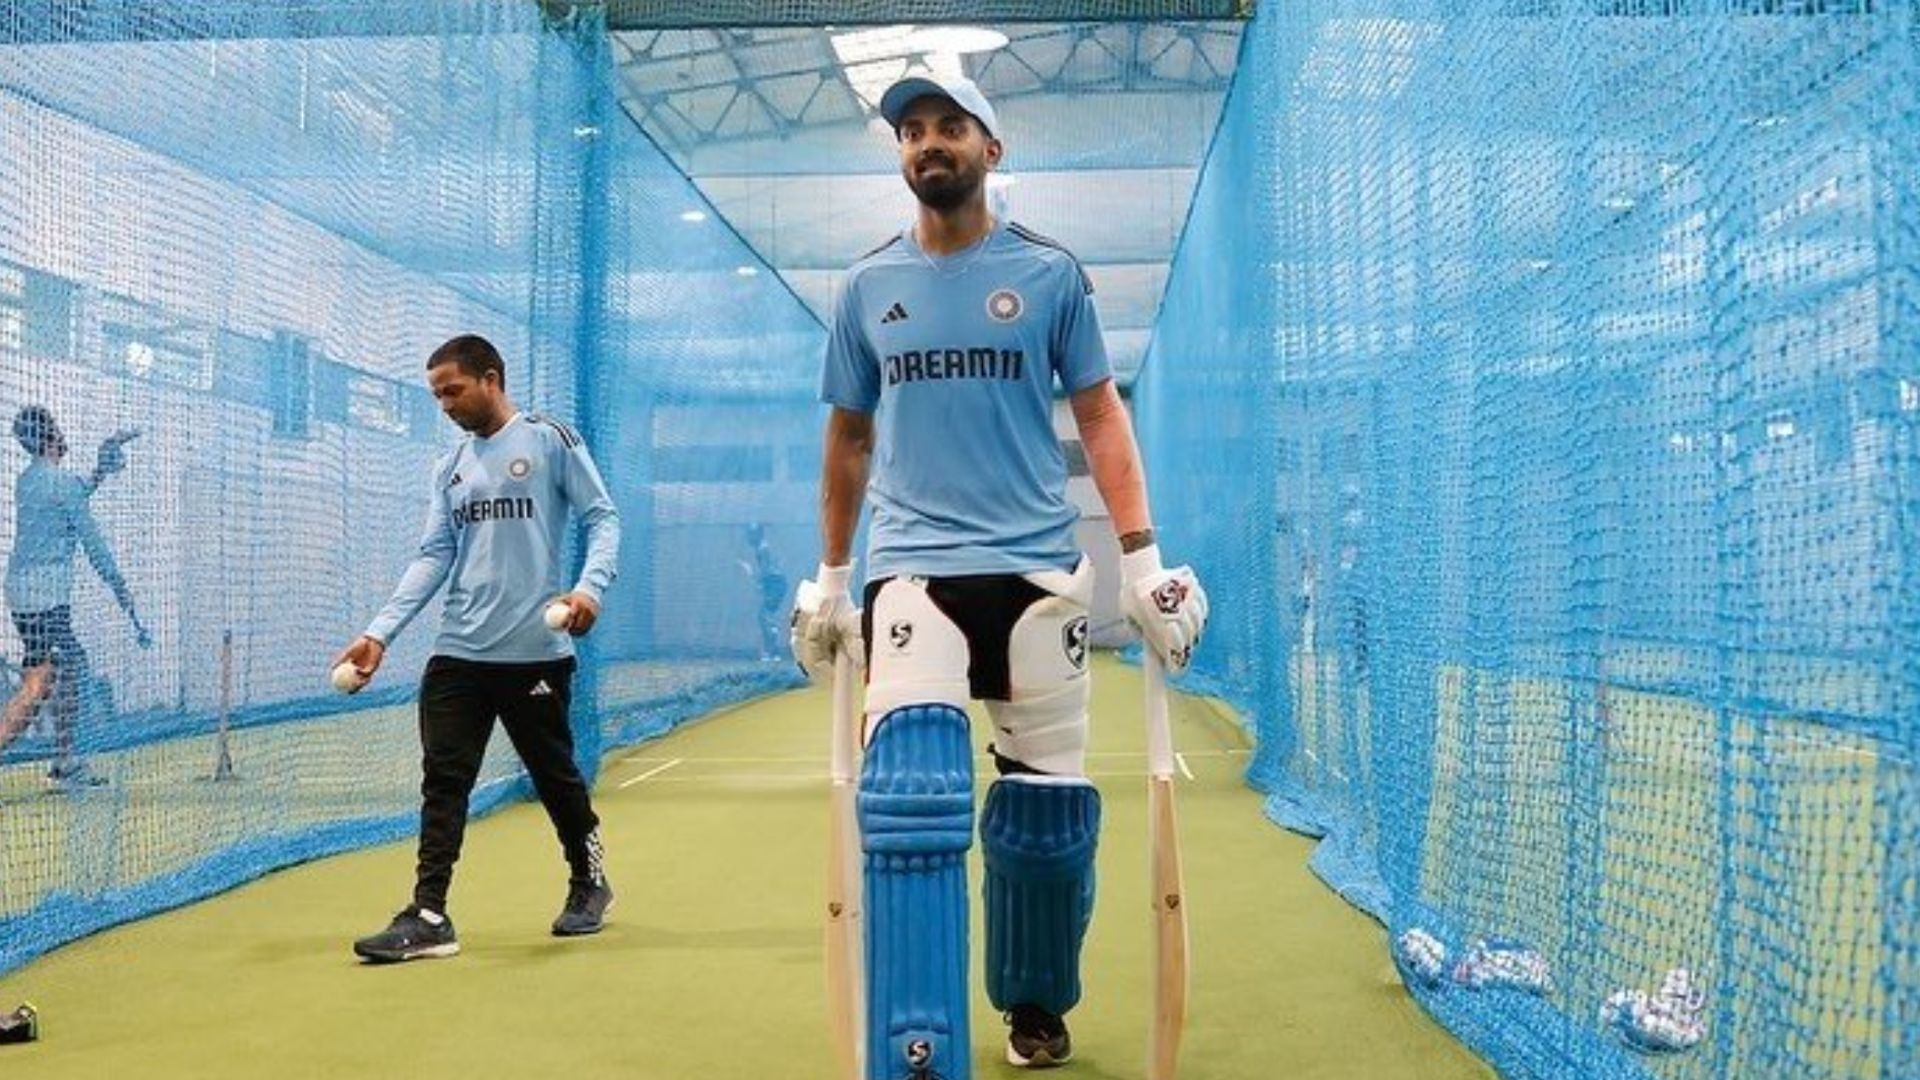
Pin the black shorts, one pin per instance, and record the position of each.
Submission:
(984, 607)
(48, 637)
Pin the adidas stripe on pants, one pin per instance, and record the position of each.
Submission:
(459, 700)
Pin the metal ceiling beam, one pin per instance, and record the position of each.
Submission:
(657, 51)
(654, 52)
(686, 14)
(784, 120)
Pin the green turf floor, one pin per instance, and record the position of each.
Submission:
(711, 967)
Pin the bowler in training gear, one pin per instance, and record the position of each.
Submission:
(496, 533)
(53, 519)
(940, 368)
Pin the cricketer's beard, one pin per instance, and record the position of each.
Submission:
(949, 191)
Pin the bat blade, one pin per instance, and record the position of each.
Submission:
(1169, 932)
(1169, 900)
(845, 925)
(845, 993)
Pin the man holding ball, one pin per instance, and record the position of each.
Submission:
(496, 533)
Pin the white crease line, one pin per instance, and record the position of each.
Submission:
(807, 759)
(1181, 759)
(1829, 744)
(655, 771)
(806, 779)
(811, 778)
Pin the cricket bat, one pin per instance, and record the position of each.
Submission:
(846, 930)
(1169, 891)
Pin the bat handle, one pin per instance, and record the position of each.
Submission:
(1159, 730)
(846, 711)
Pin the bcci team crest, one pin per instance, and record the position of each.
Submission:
(1005, 305)
(519, 468)
(1073, 638)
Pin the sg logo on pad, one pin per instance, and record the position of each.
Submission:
(1073, 638)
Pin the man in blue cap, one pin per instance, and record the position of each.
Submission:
(946, 347)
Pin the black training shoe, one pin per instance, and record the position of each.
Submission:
(1037, 1039)
(22, 1025)
(414, 934)
(586, 910)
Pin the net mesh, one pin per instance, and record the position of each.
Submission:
(1542, 384)
(1536, 388)
(243, 245)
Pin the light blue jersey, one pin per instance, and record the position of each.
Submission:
(956, 356)
(51, 519)
(496, 534)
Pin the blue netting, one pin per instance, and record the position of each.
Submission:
(1536, 389)
(241, 230)
(1543, 385)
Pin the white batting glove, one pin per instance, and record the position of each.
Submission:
(1168, 607)
(825, 622)
(1653, 1024)
(1504, 965)
(1424, 955)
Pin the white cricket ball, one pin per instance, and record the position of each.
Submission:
(347, 678)
(558, 613)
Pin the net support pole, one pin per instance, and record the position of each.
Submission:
(223, 750)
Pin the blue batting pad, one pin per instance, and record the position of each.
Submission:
(916, 823)
(1039, 839)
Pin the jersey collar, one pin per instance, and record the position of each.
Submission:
(504, 428)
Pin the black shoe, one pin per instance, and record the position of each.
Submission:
(1037, 1039)
(22, 1025)
(413, 935)
(586, 910)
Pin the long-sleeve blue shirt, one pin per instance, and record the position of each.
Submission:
(496, 535)
(51, 519)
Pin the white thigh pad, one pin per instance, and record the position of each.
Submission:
(1044, 725)
(919, 657)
